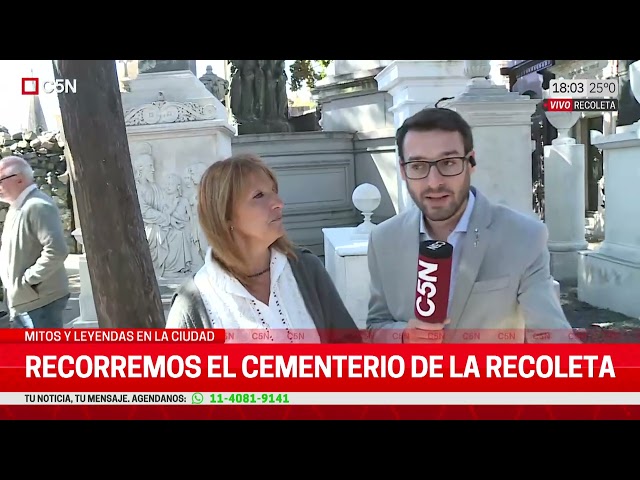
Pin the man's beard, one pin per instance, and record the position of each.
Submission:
(444, 213)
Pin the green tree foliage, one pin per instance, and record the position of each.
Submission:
(307, 72)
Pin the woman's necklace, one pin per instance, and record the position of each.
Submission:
(260, 273)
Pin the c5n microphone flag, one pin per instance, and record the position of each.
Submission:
(434, 279)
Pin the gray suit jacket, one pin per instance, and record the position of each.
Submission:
(504, 290)
(33, 254)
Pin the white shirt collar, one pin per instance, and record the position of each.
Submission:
(17, 203)
(463, 223)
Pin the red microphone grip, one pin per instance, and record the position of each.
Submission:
(434, 280)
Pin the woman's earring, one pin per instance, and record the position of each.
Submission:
(231, 227)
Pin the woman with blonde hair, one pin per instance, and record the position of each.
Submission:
(254, 280)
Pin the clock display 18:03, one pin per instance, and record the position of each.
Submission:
(584, 88)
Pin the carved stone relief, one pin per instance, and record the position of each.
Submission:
(169, 112)
(168, 203)
(192, 176)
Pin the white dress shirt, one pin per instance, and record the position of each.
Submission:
(232, 307)
(455, 239)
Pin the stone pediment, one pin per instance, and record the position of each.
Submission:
(169, 112)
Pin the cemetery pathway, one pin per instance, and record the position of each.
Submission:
(599, 322)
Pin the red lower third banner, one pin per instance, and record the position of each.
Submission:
(161, 374)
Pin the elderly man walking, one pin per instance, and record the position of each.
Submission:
(32, 251)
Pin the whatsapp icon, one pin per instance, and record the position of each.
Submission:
(197, 398)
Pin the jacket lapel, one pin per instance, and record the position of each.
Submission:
(408, 243)
(473, 251)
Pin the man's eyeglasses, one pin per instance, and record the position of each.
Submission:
(447, 167)
(8, 176)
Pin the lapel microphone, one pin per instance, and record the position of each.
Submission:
(435, 260)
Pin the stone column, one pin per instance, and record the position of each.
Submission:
(501, 123)
(564, 192)
(609, 277)
(414, 85)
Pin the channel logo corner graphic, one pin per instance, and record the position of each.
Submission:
(30, 86)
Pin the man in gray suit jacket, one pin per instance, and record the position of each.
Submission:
(501, 287)
(33, 250)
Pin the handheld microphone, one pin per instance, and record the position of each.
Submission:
(434, 281)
